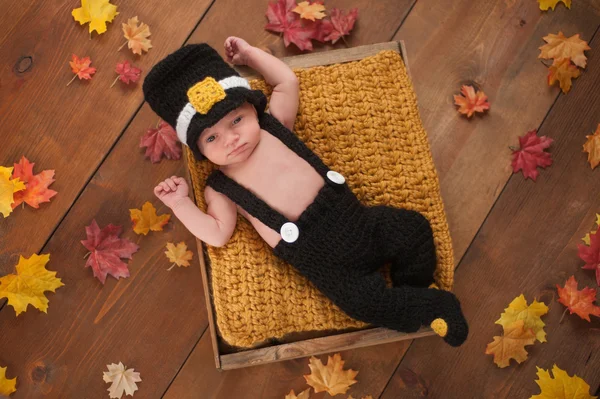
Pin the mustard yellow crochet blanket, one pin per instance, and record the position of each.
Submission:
(362, 119)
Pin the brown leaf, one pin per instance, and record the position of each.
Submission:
(511, 345)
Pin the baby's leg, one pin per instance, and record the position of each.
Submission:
(406, 239)
(401, 308)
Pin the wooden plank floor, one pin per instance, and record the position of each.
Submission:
(510, 236)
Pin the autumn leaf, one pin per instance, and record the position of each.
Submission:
(137, 36)
(559, 46)
(340, 24)
(561, 386)
(331, 378)
(282, 19)
(592, 147)
(545, 4)
(7, 386)
(161, 141)
(27, 286)
(97, 12)
(511, 345)
(471, 102)
(178, 255)
(586, 239)
(530, 154)
(562, 71)
(518, 310)
(123, 381)
(106, 250)
(146, 219)
(310, 11)
(8, 188)
(578, 302)
(303, 394)
(36, 186)
(126, 73)
(81, 67)
(591, 255)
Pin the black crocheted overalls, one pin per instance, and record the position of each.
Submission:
(339, 244)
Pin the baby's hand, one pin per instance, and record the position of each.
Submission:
(171, 191)
(237, 50)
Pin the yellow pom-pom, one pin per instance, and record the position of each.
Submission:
(440, 327)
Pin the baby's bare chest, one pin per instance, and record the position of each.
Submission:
(286, 182)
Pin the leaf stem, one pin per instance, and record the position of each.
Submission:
(347, 45)
(86, 255)
(115, 81)
(123, 45)
(563, 315)
(512, 148)
(72, 79)
(171, 267)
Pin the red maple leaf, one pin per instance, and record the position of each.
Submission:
(531, 154)
(161, 141)
(36, 186)
(106, 248)
(127, 73)
(578, 302)
(340, 24)
(300, 31)
(590, 255)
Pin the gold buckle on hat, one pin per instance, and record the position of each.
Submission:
(204, 94)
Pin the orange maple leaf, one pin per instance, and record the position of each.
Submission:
(36, 187)
(559, 46)
(137, 36)
(303, 395)
(592, 147)
(578, 302)
(310, 11)
(82, 68)
(545, 4)
(471, 102)
(562, 71)
(146, 219)
(511, 345)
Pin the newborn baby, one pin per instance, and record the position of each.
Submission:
(304, 210)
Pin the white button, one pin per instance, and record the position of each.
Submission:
(289, 232)
(335, 177)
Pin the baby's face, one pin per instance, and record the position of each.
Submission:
(236, 129)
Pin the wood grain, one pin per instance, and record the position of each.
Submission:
(528, 244)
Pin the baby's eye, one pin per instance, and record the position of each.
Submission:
(239, 117)
(208, 140)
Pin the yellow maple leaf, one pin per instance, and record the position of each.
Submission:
(518, 310)
(178, 255)
(592, 147)
(146, 219)
(30, 282)
(559, 46)
(310, 11)
(137, 36)
(303, 394)
(586, 239)
(511, 345)
(6, 386)
(96, 12)
(7, 189)
(545, 4)
(331, 378)
(562, 386)
(562, 71)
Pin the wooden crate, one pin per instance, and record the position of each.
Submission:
(302, 344)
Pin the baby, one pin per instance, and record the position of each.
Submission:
(304, 210)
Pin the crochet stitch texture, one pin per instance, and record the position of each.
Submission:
(361, 118)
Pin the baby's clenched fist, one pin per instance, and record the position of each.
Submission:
(172, 190)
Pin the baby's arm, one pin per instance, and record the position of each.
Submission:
(214, 227)
(284, 99)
